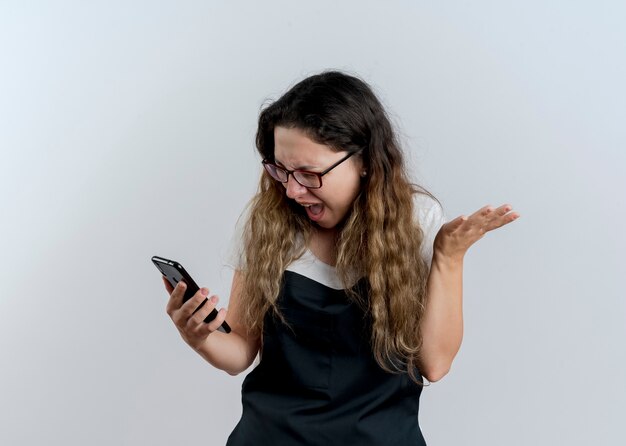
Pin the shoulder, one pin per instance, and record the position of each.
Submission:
(428, 210)
(430, 217)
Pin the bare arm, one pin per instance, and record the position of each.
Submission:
(233, 352)
(442, 323)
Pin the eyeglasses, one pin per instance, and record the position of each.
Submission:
(308, 179)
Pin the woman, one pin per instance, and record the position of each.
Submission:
(348, 284)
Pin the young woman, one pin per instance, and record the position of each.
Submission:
(348, 281)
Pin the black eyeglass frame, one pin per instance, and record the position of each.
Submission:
(319, 175)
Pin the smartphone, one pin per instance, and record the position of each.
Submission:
(174, 273)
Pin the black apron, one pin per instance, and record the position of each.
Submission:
(318, 383)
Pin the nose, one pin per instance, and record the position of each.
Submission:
(294, 189)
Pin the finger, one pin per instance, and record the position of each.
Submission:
(503, 209)
(508, 218)
(488, 218)
(481, 213)
(168, 285)
(477, 224)
(218, 321)
(186, 311)
(504, 216)
(513, 216)
(199, 316)
(454, 224)
(204, 329)
(176, 298)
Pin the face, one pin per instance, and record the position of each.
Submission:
(328, 205)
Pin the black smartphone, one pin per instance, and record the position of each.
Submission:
(174, 273)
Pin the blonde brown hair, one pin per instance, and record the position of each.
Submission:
(380, 239)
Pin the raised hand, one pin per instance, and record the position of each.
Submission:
(189, 322)
(456, 236)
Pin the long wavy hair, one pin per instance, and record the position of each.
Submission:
(379, 239)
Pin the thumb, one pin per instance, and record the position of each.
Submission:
(454, 224)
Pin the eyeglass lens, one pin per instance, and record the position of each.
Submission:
(306, 179)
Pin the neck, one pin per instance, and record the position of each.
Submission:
(323, 244)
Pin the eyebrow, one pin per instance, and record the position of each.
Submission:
(297, 168)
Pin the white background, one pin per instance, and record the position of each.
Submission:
(126, 131)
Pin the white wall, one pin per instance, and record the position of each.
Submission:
(126, 130)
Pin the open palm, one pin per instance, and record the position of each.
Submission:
(456, 236)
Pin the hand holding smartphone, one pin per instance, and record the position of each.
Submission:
(174, 273)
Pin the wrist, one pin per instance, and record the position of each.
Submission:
(446, 260)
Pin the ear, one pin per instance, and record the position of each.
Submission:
(359, 164)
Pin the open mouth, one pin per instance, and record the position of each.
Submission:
(314, 210)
